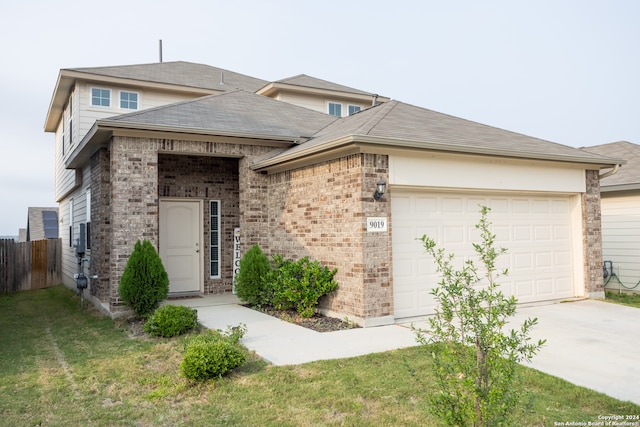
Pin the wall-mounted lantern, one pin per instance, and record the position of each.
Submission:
(381, 187)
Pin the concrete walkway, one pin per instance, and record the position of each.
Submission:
(283, 343)
(589, 343)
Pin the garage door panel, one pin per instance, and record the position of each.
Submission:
(536, 231)
(426, 204)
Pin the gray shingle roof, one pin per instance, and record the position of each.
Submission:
(180, 73)
(313, 82)
(408, 125)
(235, 112)
(628, 173)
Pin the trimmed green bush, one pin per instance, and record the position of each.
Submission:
(251, 282)
(171, 320)
(300, 284)
(213, 354)
(144, 282)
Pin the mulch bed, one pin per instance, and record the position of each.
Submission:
(317, 323)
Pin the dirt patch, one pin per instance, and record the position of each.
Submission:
(135, 327)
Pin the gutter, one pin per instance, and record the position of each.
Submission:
(611, 172)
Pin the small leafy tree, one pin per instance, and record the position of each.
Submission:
(144, 282)
(475, 360)
(251, 283)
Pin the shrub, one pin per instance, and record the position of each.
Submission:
(475, 359)
(144, 282)
(213, 354)
(171, 320)
(300, 284)
(251, 281)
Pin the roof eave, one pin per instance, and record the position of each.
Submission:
(397, 143)
(107, 123)
(275, 87)
(102, 131)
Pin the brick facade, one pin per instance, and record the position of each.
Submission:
(320, 211)
(592, 236)
(101, 224)
(206, 178)
(129, 178)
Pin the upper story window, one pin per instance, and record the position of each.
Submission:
(100, 97)
(129, 100)
(335, 109)
(353, 109)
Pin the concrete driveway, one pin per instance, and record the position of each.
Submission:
(589, 343)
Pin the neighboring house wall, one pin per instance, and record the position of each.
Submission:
(621, 237)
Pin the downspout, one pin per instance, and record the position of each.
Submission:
(611, 172)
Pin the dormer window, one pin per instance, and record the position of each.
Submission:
(100, 97)
(353, 109)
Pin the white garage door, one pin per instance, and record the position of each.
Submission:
(535, 230)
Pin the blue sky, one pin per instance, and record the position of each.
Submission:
(565, 71)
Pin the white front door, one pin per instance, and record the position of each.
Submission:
(180, 244)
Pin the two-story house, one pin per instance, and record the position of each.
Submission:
(193, 157)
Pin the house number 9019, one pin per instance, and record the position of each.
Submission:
(377, 224)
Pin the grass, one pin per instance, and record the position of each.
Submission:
(624, 298)
(62, 366)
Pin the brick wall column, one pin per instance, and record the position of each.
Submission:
(100, 224)
(252, 202)
(377, 279)
(592, 236)
(134, 203)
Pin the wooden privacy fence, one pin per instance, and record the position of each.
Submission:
(30, 265)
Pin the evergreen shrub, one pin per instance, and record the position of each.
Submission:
(144, 282)
(251, 282)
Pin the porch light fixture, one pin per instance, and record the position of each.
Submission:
(381, 187)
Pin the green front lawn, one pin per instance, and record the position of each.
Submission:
(632, 300)
(61, 366)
